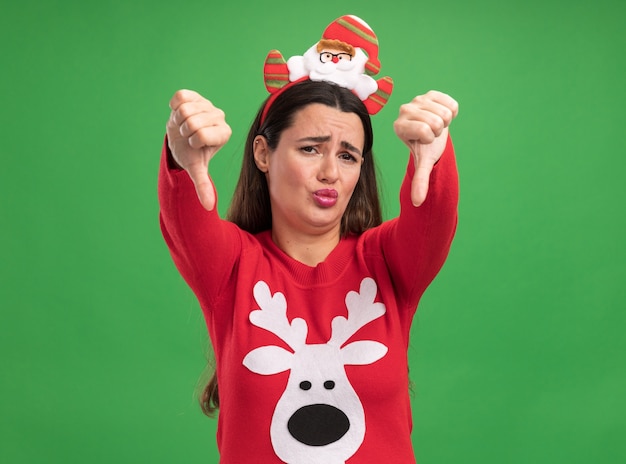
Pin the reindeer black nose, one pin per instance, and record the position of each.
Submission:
(318, 424)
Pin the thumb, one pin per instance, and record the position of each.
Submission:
(204, 187)
(421, 177)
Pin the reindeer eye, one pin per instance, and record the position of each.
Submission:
(329, 385)
(306, 385)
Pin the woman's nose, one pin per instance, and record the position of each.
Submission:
(329, 169)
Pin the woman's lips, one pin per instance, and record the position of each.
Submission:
(325, 197)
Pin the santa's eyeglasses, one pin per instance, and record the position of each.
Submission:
(327, 57)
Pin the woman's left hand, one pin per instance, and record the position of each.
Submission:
(423, 126)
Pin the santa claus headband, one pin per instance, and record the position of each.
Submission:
(347, 54)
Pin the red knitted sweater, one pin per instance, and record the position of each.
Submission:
(312, 361)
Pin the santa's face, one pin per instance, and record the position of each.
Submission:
(331, 62)
(334, 55)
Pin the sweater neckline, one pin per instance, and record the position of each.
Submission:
(326, 272)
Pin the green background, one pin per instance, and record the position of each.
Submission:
(518, 351)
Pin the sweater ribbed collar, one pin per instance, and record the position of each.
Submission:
(325, 273)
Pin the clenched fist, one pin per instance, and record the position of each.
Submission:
(423, 126)
(196, 130)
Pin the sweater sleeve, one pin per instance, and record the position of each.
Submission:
(204, 247)
(416, 244)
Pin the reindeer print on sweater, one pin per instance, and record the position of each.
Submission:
(319, 418)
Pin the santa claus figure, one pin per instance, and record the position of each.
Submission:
(347, 54)
(335, 61)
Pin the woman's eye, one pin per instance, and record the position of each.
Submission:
(348, 157)
(309, 150)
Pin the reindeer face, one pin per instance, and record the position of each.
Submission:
(311, 409)
(319, 418)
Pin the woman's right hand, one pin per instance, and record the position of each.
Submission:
(196, 130)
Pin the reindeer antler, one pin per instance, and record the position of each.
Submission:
(273, 317)
(361, 311)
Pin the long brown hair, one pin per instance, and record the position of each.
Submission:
(250, 206)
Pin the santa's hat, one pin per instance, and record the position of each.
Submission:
(354, 31)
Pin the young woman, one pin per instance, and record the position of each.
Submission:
(308, 297)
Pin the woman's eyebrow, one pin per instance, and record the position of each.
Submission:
(326, 138)
(352, 148)
(316, 139)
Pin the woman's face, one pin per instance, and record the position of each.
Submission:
(313, 170)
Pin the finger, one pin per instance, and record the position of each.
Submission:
(212, 136)
(201, 119)
(421, 180)
(171, 127)
(204, 187)
(409, 130)
(182, 96)
(433, 102)
(422, 108)
(445, 101)
(189, 109)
